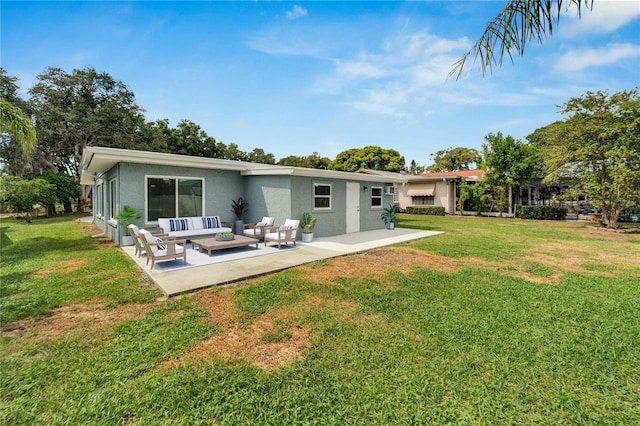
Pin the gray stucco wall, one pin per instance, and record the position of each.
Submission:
(220, 188)
(334, 222)
(281, 197)
(268, 196)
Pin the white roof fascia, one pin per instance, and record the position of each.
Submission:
(98, 159)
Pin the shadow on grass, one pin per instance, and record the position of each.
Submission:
(10, 284)
(40, 246)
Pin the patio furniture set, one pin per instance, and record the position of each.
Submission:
(164, 244)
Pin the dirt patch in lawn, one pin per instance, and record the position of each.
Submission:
(66, 266)
(244, 341)
(543, 265)
(376, 263)
(86, 318)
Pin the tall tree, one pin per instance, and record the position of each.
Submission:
(454, 159)
(233, 152)
(507, 163)
(598, 145)
(369, 157)
(84, 108)
(520, 22)
(189, 139)
(259, 156)
(415, 169)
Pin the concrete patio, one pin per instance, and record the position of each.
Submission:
(181, 280)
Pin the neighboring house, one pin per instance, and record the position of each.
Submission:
(169, 185)
(428, 189)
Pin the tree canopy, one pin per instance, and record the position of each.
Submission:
(80, 109)
(454, 159)
(21, 195)
(369, 157)
(507, 162)
(598, 146)
(313, 161)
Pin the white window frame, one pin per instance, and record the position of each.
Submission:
(177, 195)
(329, 197)
(98, 200)
(113, 199)
(378, 197)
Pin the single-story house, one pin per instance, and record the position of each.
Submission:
(427, 189)
(169, 185)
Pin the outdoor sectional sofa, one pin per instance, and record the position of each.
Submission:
(191, 227)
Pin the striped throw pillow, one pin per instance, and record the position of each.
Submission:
(179, 224)
(161, 246)
(211, 222)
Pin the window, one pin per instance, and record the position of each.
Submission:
(174, 197)
(376, 196)
(113, 208)
(423, 200)
(98, 200)
(322, 196)
(392, 190)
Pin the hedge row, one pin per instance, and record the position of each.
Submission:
(428, 210)
(541, 212)
(631, 214)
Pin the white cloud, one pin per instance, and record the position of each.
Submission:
(297, 12)
(605, 17)
(580, 59)
(361, 68)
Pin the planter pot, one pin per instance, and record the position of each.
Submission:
(391, 225)
(127, 240)
(307, 237)
(238, 227)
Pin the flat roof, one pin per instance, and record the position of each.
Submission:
(97, 160)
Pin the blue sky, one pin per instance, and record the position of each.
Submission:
(295, 78)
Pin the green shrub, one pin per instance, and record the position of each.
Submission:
(632, 214)
(541, 212)
(428, 210)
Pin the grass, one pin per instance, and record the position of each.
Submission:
(495, 322)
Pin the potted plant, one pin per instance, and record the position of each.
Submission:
(240, 207)
(225, 236)
(307, 223)
(389, 215)
(126, 218)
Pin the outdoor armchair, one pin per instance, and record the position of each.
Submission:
(134, 232)
(158, 249)
(257, 230)
(283, 234)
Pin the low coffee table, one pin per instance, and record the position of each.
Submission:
(211, 244)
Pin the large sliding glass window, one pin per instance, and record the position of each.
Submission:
(189, 197)
(174, 197)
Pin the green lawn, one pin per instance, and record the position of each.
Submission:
(497, 321)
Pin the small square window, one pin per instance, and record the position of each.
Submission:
(376, 196)
(322, 196)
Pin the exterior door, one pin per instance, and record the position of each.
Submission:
(353, 207)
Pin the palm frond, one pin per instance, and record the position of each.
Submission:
(508, 33)
(14, 121)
